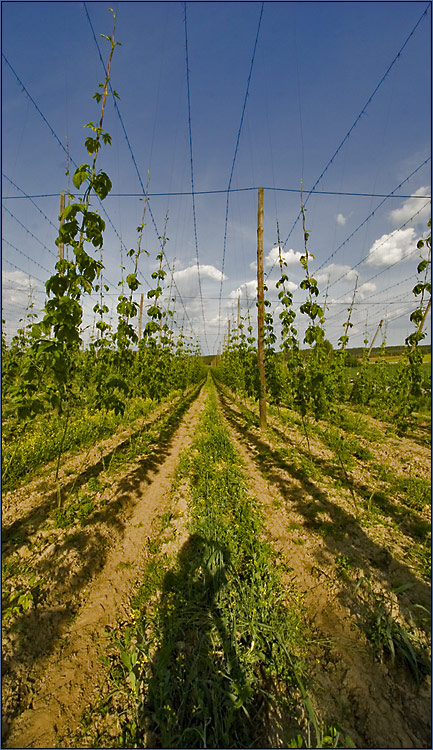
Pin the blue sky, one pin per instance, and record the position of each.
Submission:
(315, 68)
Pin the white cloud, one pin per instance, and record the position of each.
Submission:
(333, 272)
(248, 289)
(368, 286)
(289, 256)
(403, 214)
(16, 288)
(291, 286)
(19, 279)
(391, 248)
(206, 272)
(341, 219)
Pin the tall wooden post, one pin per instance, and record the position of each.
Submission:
(62, 221)
(261, 313)
(140, 316)
(374, 338)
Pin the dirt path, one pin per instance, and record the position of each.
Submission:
(70, 678)
(377, 706)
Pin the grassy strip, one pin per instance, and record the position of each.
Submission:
(215, 654)
(222, 607)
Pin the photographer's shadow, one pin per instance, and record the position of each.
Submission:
(198, 687)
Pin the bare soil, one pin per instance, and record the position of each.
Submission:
(313, 524)
(52, 667)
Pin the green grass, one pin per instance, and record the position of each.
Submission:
(356, 424)
(392, 641)
(344, 563)
(76, 510)
(345, 446)
(12, 567)
(330, 528)
(416, 492)
(421, 553)
(95, 485)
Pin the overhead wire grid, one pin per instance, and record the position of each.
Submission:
(116, 106)
(192, 179)
(234, 161)
(358, 118)
(229, 189)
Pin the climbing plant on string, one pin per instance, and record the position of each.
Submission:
(361, 386)
(289, 334)
(272, 364)
(48, 380)
(117, 385)
(152, 353)
(337, 370)
(247, 357)
(252, 373)
(410, 381)
(312, 377)
(243, 354)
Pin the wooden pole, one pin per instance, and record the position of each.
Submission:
(374, 338)
(62, 221)
(140, 316)
(261, 314)
(368, 357)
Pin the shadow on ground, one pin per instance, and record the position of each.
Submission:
(195, 674)
(374, 562)
(311, 501)
(73, 562)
